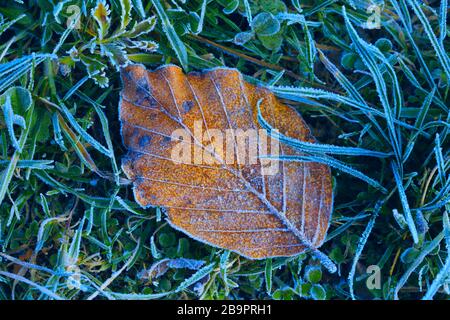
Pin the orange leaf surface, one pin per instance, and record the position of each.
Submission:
(226, 204)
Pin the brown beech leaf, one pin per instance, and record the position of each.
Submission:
(228, 204)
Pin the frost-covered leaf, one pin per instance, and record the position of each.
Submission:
(9, 116)
(14, 103)
(141, 28)
(101, 14)
(126, 7)
(145, 45)
(272, 42)
(116, 54)
(20, 99)
(243, 37)
(317, 292)
(230, 6)
(265, 24)
(237, 205)
(96, 70)
(101, 79)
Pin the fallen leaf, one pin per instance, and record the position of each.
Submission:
(228, 205)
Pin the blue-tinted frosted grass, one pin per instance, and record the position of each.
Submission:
(402, 10)
(387, 67)
(89, 216)
(443, 21)
(57, 132)
(6, 25)
(420, 276)
(440, 199)
(127, 207)
(6, 47)
(66, 33)
(107, 136)
(349, 221)
(158, 214)
(404, 15)
(43, 231)
(74, 249)
(437, 45)
(154, 251)
(7, 174)
(311, 50)
(317, 7)
(400, 219)
(105, 128)
(81, 152)
(419, 124)
(276, 264)
(268, 274)
(8, 115)
(131, 296)
(125, 266)
(81, 95)
(342, 79)
(202, 17)
(362, 242)
(97, 145)
(97, 202)
(305, 96)
(367, 79)
(98, 243)
(276, 78)
(139, 7)
(316, 148)
(404, 201)
(300, 93)
(336, 164)
(184, 263)
(223, 266)
(75, 88)
(440, 160)
(175, 41)
(31, 164)
(324, 260)
(200, 274)
(16, 64)
(248, 12)
(292, 18)
(350, 89)
(367, 53)
(431, 125)
(408, 73)
(32, 265)
(32, 284)
(425, 251)
(13, 70)
(424, 109)
(444, 272)
(318, 153)
(44, 205)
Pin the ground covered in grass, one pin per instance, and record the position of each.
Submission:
(368, 74)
